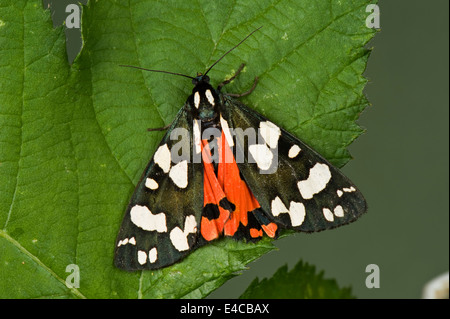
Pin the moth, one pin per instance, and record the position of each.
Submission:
(223, 169)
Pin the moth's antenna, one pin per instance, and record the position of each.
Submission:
(136, 67)
(187, 76)
(232, 49)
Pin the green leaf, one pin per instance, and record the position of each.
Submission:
(74, 140)
(302, 282)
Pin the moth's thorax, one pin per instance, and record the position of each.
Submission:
(204, 102)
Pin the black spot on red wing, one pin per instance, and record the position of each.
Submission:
(244, 232)
(226, 204)
(211, 211)
(253, 222)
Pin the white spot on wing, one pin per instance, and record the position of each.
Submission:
(197, 136)
(178, 237)
(143, 218)
(294, 151)
(179, 174)
(190, 225)
(131, 241)
(162, 158)
(142, 257)
(151, 183)
(210, 97)
(152, 255)
(328, 214)
(196, 99)
(338, 211)
(270, 133)
(296, 211)
(226, 131)
(318, 178)
(278, 207)
(122, 242)
(262, 155)
(349, 189)
(345, 189)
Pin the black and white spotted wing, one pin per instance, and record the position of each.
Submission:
(296, 187)
(161, 221)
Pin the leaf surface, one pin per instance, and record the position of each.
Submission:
(301, 282)
(74, 140)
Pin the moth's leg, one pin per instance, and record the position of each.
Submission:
(159, 128)
(232, 78)
(245, 93)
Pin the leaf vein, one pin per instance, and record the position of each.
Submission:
(14, 242)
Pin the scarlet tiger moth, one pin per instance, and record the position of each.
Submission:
(278, 183)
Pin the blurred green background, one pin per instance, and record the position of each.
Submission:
(401, 163)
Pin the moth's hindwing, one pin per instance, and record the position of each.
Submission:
(296, 187)
(162, 220)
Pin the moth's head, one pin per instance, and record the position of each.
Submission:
(204, 99)
(200, 78)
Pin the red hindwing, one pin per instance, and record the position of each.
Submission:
(228, 201)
